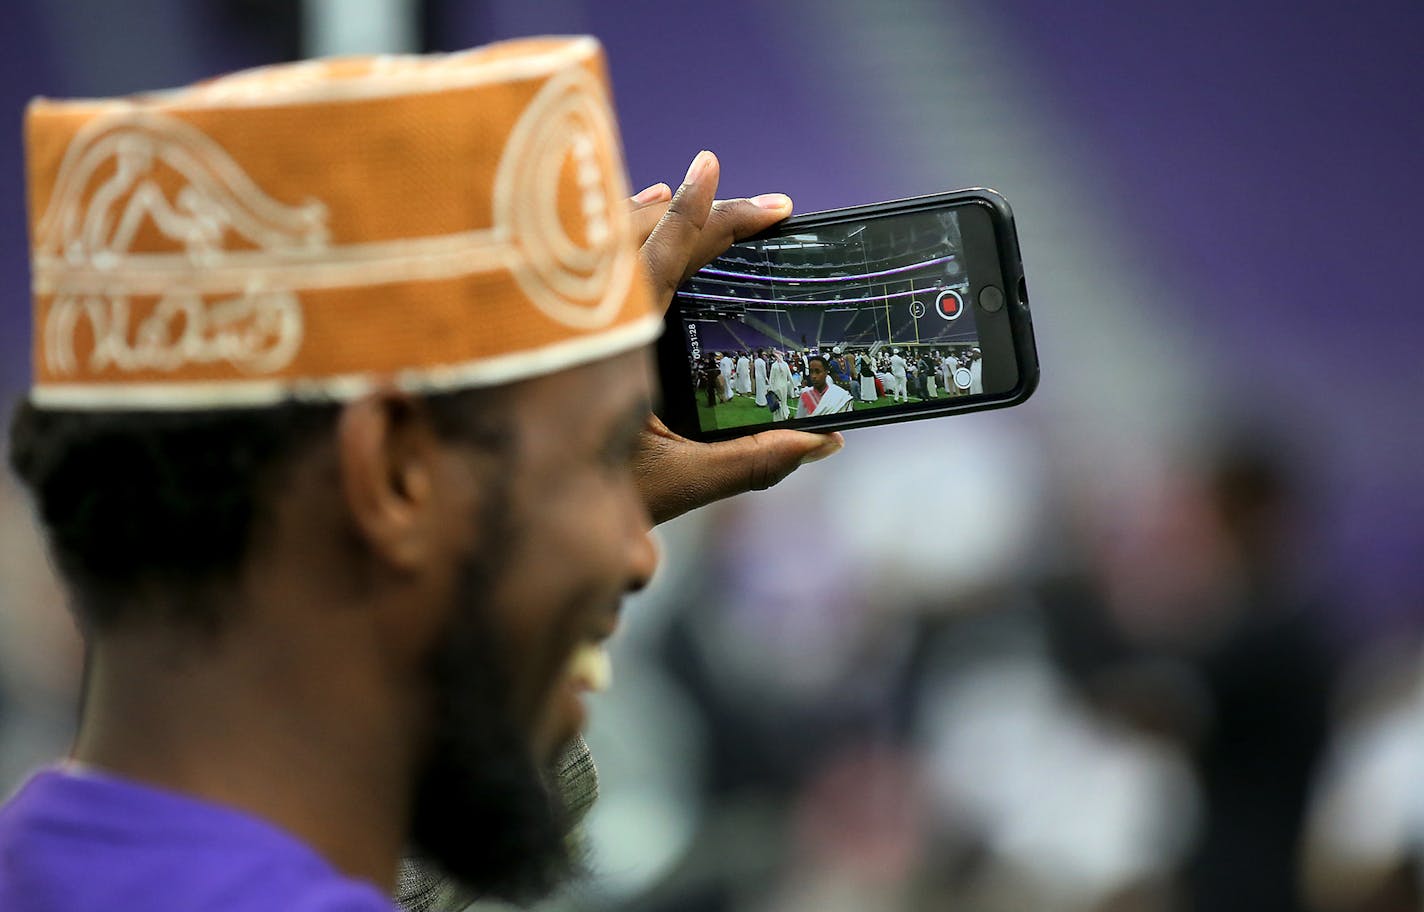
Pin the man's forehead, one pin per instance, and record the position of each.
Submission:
(589, 399)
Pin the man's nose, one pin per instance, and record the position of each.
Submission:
(643, 560)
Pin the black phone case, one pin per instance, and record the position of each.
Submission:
(678, 410)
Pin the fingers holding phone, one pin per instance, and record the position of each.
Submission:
(676, 475)
(680, 234)
(695, 227)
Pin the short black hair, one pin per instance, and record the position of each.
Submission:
(825, 364)
(170, 502)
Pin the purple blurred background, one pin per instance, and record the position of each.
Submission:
(1218, 206)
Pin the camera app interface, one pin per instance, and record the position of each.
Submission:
(859, 315)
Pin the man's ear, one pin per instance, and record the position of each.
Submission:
(388, 456)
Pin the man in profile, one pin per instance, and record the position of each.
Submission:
(310, 441)
(822, 397)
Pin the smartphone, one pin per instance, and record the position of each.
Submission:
(914, 308)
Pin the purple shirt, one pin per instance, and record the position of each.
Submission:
(76, 842)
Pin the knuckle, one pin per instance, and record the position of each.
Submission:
(761, 473)
(685, 207)
(730, 223)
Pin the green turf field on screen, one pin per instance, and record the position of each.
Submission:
(743, 410)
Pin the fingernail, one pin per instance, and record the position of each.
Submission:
(651, 194)
(773, 201)
(698, 167)
(829, 447)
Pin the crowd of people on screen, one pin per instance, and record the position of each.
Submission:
(792, 383)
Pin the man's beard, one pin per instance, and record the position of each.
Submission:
(485, 813)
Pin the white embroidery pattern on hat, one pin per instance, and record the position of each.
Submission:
(578, 284)
(84, 257)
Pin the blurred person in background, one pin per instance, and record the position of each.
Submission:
(889, 732)
(1269, 673)
(950, 723)
(1195, 628)
(321, 624)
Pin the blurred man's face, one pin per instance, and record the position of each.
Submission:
(817, 375)
(585, 533)
(566, 536)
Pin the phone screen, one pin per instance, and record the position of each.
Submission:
(846, 317)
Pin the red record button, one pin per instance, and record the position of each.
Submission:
(949, 304)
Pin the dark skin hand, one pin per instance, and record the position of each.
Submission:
(680, 234)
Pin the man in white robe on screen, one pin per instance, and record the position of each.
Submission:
(724, 367)
(759, 378)
(976, 372)
(897, 372)
(780, 384)
(822, 397)
(744, 374)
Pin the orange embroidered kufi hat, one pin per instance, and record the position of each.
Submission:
(315, 229)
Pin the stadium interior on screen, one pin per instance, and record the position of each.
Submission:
(884, 301)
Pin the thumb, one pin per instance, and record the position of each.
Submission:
(676, 474)
(758, 461)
